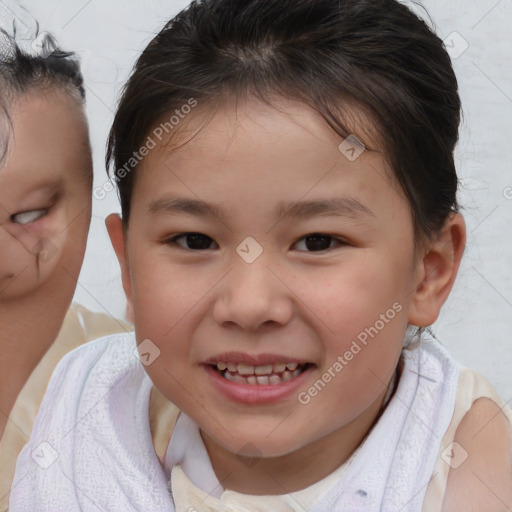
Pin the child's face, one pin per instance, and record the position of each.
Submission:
(45, 197)
(214, 298)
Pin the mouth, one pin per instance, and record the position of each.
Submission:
(262, 379)
(259, 375)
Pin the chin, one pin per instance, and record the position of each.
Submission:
(256, 445)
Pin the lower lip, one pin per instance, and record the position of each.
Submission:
(256, 394)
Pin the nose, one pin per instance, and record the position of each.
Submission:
(251, 296)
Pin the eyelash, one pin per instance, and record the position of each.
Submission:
(173, 240)
(40, 213)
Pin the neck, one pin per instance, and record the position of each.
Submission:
(29, 326)
(297, 470)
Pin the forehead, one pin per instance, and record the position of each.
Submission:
(252, 135)
(230, 117)
(48, 137)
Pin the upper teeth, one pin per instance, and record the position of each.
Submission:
(247, 369)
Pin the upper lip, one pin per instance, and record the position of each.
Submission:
(255, 360)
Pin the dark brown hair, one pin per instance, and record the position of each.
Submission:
(325, 53)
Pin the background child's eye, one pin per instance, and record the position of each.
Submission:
(317, 242)
(193, 241)
(28, 217)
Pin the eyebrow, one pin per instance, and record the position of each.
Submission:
(188, 206)
(336, 207)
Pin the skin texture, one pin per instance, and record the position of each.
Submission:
(484, 480)
(293, 301)
(45, 209)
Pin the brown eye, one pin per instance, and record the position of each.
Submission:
(318, 242)
(28, 217)
(194, 241)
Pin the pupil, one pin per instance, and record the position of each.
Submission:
(318, 242)
(196, 241)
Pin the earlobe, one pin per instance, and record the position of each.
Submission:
(437, 271)
(117, 236)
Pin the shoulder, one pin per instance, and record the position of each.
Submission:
(82, 378)
(481, 479)
(96, 325)
(80, 326)
(117, 352)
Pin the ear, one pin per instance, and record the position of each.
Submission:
(437, 270)
(118, 238)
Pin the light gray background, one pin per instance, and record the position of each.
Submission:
(476, 321)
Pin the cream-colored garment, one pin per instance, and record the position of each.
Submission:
(471, 386)
(187, 497)
(80, 325)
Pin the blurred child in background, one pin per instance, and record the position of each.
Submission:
(45, 209)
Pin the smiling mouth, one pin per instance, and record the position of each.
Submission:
(264, 375)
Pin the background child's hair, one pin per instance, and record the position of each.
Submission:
(375, 55)
(20, 71)
(4, 128)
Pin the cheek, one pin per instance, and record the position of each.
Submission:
(364, 319)
(169, 304)
(32, 254)
(73, 238)
(164, 327)
(354, 296)
(163, 295)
